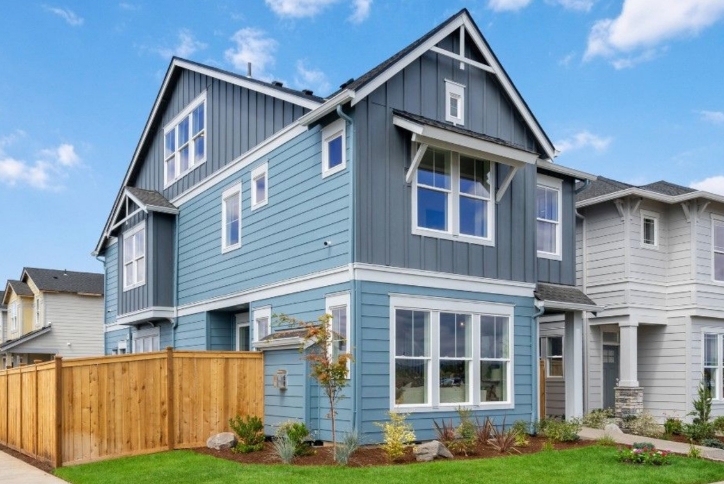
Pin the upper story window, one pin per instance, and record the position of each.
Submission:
(134, 257)
(231, 219)
(548, 213)
(338, 308)
(38, 311)
(333, 148)
(718, 248)
(452, 197)
(14, 316)
(649, 229)
(450, 353)
(184, 141)
(454, 102)
(262, 323)
(259, 186)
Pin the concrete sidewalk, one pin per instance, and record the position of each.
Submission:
(15, 470)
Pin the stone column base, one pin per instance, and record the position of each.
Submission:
(629, 402)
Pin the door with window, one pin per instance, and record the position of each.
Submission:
(610, 374)
(243, 332)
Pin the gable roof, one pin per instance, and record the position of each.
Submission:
(52, 280)
(19, 288)
(150, 199)
(556, 296)
(604, 189)
(25, 337)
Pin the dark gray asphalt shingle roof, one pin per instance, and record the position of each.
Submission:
(2, 295)
(604, 186)
(667, 188)
(563, 294)
(20, 288)
(66, 281)
(150, 197)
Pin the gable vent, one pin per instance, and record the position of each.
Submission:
(277, 83)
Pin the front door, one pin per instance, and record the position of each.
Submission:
(610, 375)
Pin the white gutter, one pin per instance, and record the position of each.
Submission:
(326, 108)
(659, 197)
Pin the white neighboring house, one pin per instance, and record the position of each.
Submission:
(653, 256)
(3, 324)
(51, 312)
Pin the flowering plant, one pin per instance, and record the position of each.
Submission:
(646, 455)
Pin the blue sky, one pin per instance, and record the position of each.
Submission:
(629, 89)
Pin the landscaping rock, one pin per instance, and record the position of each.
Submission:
(612, 429)
(429, 450)
(224, 440)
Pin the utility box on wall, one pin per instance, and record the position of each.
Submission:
(280, 379)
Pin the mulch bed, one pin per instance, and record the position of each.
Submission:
(27, 459)
(374, 455)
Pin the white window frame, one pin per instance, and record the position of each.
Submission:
(152, 334)
(256, 173)
(718, 390)
(242, 321)
(549, 357)
(136, 259)
(260, 314)
(435, 306)
(234, 191)
(455, 90)
(13, 316)
(330, 132)
(716, 220)
(171, 126)
(453, 204)
(556, 184)
(336, 301)
(645, 214)
(37, 308)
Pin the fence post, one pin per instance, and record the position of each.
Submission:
(35, 443)
(58, 412)
(171, 435)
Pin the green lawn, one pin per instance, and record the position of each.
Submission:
(593, 464)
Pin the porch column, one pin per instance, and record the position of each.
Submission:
(629, 355)
(573, 363)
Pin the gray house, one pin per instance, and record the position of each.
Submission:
(418, 205)
(653, 255)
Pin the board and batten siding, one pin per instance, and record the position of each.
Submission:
(279, 241)
(383, 151)
(75, 319)
(237, 119)
(562, 271)
(373, 307)
(111, 282)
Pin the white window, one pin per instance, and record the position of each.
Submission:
(134, 257)
(146, 340)
(14, 316)
(718, 248)
(649, 229)
(262, 323)
(334, 157)
(452, 197)
(554, 356)
(449, 353)
(454, 102)
(231, 219)
(184, 141)
(243, 332)
(38, 311)
(712, 364)
(548, 213)
(338, 307)
(259, 186)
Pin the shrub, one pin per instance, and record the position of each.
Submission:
(547, 446)
(298, 434)
(702, 404)
(445, 432)
(560, 430)
(643, 445)
(713, 443)
(521, 440)
(606, 441)
(673, 426)
(284, 448)
(696, 432)
(344, 450)
(648, 455)
(521, 427)
(250, 433)
(694, 452)
(398, 435)
(598, 418)
(483, 432)
(466, 433)
(644, 425)
(504, 440)
(718, 424)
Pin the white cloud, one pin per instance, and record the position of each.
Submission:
(583, 139)
(252, 45)
(645, 24)
(129, 6)
(361, 11)
(186, 47)
(507, 5)
(310, 78)
(44, 173)
(566, 61)
(714, 184)
(578, 5)
(68, 15)
(298, 8)
(716, 117)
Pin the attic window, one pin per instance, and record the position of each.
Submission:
(333, 148)
(184, 141)
(454, 102)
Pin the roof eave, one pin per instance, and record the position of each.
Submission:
(659, 197)
(330, 105)
(564, 170)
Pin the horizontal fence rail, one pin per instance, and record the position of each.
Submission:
(87, 409)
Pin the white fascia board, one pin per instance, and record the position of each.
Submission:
(146, 208)
(564, 170)
(280, 344)
(326, 108)
(558, 305)
(154, 208)
(398, 66)
(156, 312)
(659, 197)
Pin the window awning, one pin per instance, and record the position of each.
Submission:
(564, 298)
(155, 313)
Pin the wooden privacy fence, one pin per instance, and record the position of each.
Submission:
(87, 409)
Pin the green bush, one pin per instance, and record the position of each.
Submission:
(644, 425)
(298, 434)
(250, 433)
(559, 430)
(673, 426)
(598, 418)
(713, 443)
(521, 427)
(718, 424)
(696, 432)
(398, 435)
(344, 449)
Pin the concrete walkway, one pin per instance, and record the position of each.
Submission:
(15, 470)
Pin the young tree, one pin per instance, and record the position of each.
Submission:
(327, 366)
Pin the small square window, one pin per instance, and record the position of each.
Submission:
(259, 186)
(454, 102)
(333, 148)
(649, 229)
(262, 323)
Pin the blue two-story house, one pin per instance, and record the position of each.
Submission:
(418, 205)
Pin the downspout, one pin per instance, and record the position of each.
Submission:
(578, 190)
(584, 284)
(175, 290)
(536, 361)
(356, 387)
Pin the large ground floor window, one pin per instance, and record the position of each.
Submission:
(450, 353)
(712, 364)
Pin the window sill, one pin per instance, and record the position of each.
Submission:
(229, 248)
(649, 247)
(456, 238)
(548, 255)
(167, 185)
(260, 205)
(134, 286)
(452, 407)
(332, 171)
